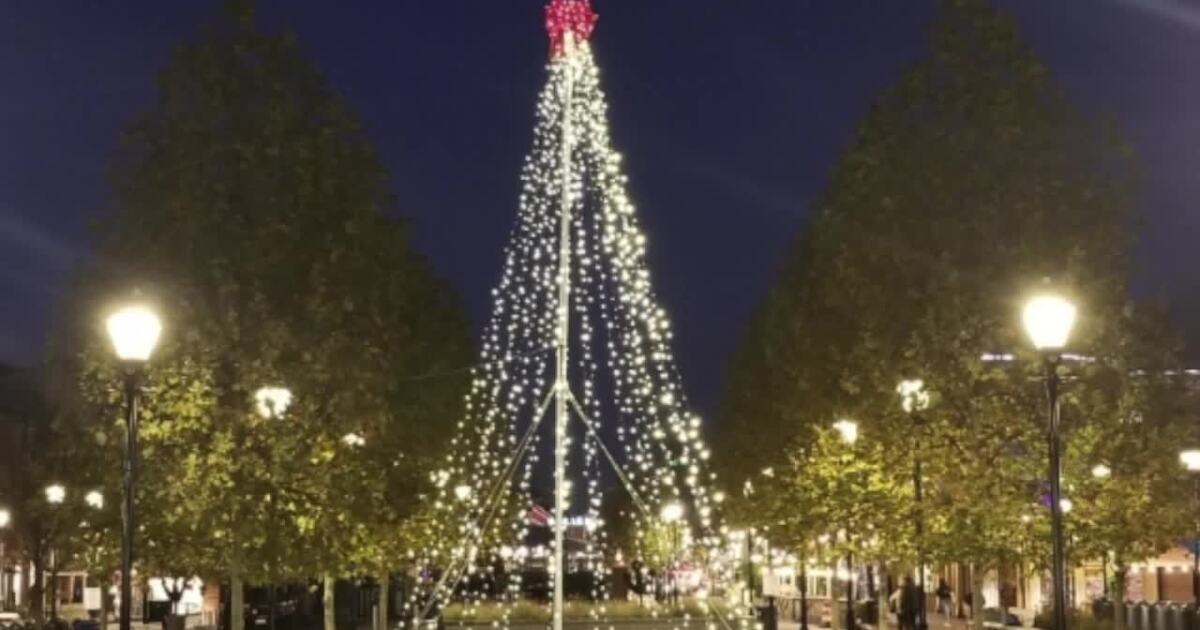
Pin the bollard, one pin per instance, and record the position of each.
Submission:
(1141, 615)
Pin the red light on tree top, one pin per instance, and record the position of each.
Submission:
(568, 16)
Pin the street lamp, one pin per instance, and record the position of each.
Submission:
(271, 403)
(914, 398)
(1191, 461)
(1048, 320)
(134, 331)
(55, 495)
(848, 432)
(671, 514)
(1101, 471)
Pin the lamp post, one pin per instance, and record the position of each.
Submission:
(271, 403)
(848, 432)
(1048, 320)
(134, 332)
(913, 400)
(55, 495)
(1101, 472)
(5, 520)
(1191, 460)
(671, 515)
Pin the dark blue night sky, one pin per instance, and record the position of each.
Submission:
(730, 114)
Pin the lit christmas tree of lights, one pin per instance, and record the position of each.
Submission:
(576, 335)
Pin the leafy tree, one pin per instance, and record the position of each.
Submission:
(40, 446)
(251, 212)
(971, 180)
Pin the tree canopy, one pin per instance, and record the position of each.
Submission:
(971, 181)
(254, 214)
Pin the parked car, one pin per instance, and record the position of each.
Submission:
(11, 621)
(256, 612)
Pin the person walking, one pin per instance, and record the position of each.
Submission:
(910, 604)
(945, 596)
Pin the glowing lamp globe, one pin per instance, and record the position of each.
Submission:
(94, 499)
(1066, 505)
(847, 430)
(55, 494)
(1048, 321)
(913, 396)
(134, 331)
(1190, 459)
(1101, 471)
(462, 493)
(672, 512)
(5, 518)
(272, 402)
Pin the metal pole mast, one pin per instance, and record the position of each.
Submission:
(1058, 556)
(562, 388)
(129, 481)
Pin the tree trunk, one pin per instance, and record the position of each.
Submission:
(384, 590)
(977, 602)
(237, 604)
(837, 620)
(328, 600)
(104, 604)
(35, 591)
(881, 599)
(1117, 596)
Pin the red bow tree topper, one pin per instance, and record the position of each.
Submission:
(568, 16)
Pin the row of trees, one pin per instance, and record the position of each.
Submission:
(251, 212)
(972, 180)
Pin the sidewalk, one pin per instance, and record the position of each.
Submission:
(936, 622)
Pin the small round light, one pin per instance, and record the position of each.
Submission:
(913, 396)
(272, 402)
(672, 512)
(847, 430)
(1101, 471)
(95, 499)
(55, 493)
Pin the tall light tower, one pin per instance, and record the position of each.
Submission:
(566, 22)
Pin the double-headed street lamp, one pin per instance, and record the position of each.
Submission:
(134, 332)
(914, 399)
(1048, 320)
(1191, 460)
